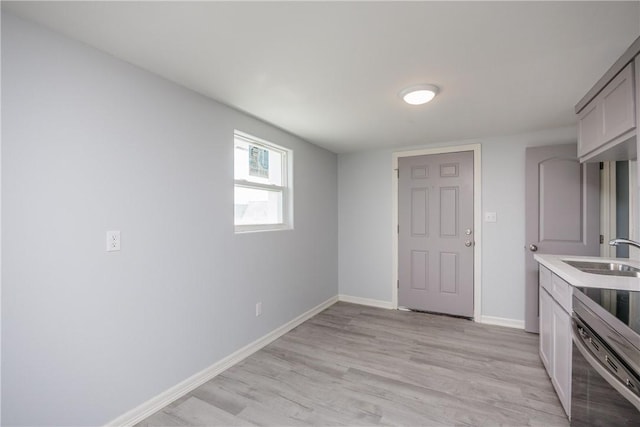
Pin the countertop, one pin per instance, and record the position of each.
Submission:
(578, 278)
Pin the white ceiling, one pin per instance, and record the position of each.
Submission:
(330, 72)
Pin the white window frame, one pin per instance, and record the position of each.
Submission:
(286, 189)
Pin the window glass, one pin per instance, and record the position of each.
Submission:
(262, 191)
(255, 206)
(251, 165)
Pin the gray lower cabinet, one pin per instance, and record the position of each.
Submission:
(555, 333)
(546, 329)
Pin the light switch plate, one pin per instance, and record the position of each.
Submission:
(490, 217)
(113, 240)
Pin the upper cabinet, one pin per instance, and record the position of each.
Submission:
(607, 115)
(618, 103)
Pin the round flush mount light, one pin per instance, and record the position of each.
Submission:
(420, 94)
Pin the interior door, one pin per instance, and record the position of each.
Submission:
(562, 213)
(435, 236)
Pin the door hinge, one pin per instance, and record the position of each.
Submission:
(398, 228)
(601, 239)
(398, 173)
(398, 284)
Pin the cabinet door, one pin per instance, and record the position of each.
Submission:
(618, 106)
(561, 348)
(546, 330)
(589, 128)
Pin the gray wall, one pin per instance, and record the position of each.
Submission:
(91, 144)
(365, 209)
(365, 234)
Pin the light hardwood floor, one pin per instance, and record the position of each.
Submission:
(356, 365)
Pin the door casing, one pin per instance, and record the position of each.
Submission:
(477, 218)
(608, 208)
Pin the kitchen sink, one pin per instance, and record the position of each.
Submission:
(605, 268)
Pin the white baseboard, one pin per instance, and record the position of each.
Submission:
(154, 404)
(501, 321)
(366, 301)
(489, 320)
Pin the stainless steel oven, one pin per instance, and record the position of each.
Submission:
(605, 387)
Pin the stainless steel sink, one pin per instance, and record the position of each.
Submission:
(605, 268)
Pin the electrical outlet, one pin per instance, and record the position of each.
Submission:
(113, 241)
(258, 309)
(490, 217)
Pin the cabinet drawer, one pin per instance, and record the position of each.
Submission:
(545, 278)
(561, 292)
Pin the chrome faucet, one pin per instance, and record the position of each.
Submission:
(616, 242)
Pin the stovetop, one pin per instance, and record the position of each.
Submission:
(623, 305)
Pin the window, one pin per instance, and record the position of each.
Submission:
(262, 193)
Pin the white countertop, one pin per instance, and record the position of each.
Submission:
(576, 277)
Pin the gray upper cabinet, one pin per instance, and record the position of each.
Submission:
(619, 106)
(589, 129)
(607, 124)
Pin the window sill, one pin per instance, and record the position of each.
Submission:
(244, 229)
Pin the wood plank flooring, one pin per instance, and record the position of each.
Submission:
(357, 365)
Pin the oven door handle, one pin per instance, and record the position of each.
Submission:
(601, 369)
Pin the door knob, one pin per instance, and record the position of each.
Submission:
(533, 247)
(468, 243)
(467, 231)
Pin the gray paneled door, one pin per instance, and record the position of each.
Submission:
(562, 210)
(435, 236)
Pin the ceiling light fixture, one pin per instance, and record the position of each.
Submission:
(420, 94)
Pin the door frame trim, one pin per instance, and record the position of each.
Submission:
(608, 208)
(477, 217)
